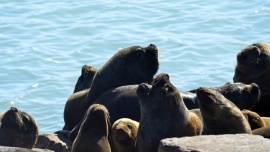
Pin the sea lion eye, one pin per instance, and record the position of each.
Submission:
(168, 88)
(129, 126)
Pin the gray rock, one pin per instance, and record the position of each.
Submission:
(17, 149)
(216, 143)
(55, 142)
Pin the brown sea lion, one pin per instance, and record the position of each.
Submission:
(253, 66)
(220, 116)
(123, 135)
(132, 65)
(18, 129)
(163, 114)
(86, 78)
(94, 131)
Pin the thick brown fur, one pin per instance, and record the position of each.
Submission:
(132, 65)
(18, 129)
(94, 131)
(123, 135)
(253, 66)
(220, 116)
(163, 114)
(85, 79)
(266, 121)
(254, 119)
(263, 131)
(194, 125)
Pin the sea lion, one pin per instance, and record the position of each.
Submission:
(220, 116)
(123, 135)
(244, 96)
(254, 119)
(163, 114)
(253, 66)
(132, 65)
(18, 129)
(263, 131)
(85, 79)
(94, 131)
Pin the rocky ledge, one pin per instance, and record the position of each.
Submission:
(216, 143)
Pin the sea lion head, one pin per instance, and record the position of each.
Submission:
(213, 104)
(124, 134)
(86, 78)
(253, 65)
(254, 119)
(142, 61)
(256, 56)
(244, 96)
(97, 118)
(162, 93)
(18, 129)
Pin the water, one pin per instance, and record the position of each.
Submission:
(44, 44)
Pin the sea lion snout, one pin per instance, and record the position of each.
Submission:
(255, 89)
(13, 109)
(153, 46)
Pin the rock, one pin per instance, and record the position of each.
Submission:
(55, 142)
(17, 149)
(216, 143)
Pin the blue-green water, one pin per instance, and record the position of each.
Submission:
(44, 44)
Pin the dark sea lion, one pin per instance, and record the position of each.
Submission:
(254, 119)
(123, 135)
(263, 131)
(132, 65)
(85, 79)
(94, 131)
(244, 96)
(163, 113)
(253, 66)
(121, 102)
(18, 129)
(220, 116)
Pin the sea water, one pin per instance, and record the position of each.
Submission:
(44, 44)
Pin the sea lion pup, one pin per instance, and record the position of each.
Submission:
(86, 78)
(220, 116)
(18, 129)
(163, 114)
(253, 66)
(132, 65)
(123, 135)
(94, 131)
(244, 96)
